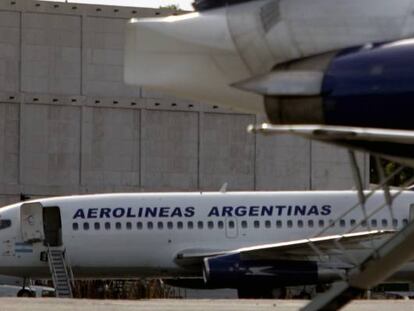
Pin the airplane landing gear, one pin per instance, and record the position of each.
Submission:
(25, 292)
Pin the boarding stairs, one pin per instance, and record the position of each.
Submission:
(61, 272)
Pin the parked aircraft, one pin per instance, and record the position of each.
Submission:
(343, 65)
(252, 241)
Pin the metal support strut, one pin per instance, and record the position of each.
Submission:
(377, 267)
(381, 263)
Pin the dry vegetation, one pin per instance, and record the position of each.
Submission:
(123, 289)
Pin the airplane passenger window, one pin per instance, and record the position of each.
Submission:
(75, 226)
(160, 225)
(150, 225)
(405, 221)
(321, 223)
(128, 225)
(310, 223)
(395, 222)
(220, 224)
(170, 225)
(180, 225)
(210, 225)
(107, 225)
(139, 225)
(353, 222)
(190, 225)
(86, 226)
(374, 223)
(384, 222)
(200, 225)
(97, 225)
(5, 223)
(342, 223)
(231, 224)
(278, 223)
(300, 223)
(118, 226)
(267, 224)
(256, 224)
(289, 224)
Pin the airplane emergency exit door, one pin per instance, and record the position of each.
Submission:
(31, 222)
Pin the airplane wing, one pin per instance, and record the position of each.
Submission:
(299, 249)
(307, 261)
(338, 133)
(395, 145)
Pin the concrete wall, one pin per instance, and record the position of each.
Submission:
(68, 123)
(169, 150)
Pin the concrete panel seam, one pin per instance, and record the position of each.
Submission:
(79, 9)
(255, 155)
(199, 148)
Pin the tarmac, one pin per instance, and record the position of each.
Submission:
(54, 304)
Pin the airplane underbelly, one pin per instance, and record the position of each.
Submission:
(129, 272)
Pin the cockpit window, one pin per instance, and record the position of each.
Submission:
(5, 223)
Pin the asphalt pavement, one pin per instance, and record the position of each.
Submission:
(54, 304)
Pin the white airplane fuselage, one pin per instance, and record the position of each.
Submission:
(202, 55)
(140, 235)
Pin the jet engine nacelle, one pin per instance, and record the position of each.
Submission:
(231, 271)
(367, 86)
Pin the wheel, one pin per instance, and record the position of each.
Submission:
(25, 293)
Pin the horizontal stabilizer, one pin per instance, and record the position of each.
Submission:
(189, 56)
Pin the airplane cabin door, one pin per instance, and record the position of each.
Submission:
(31, 222)
(232, 229)
(52, 225)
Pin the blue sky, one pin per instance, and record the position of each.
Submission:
(183, 4)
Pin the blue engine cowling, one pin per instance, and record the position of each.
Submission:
(371, 86)
(368, 86)
(230, 271)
